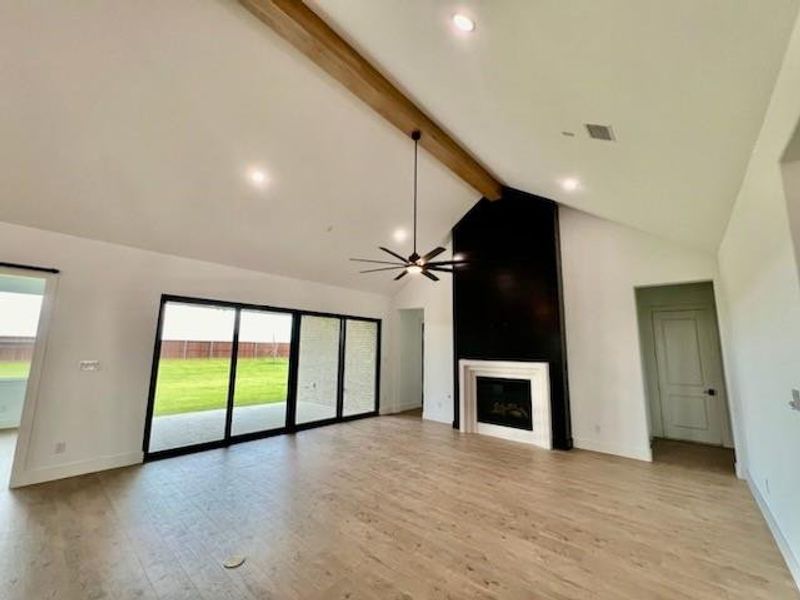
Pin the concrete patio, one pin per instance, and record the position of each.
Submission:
(176, 431)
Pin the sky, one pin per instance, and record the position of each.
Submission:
(208, 323)
(19, 317)
(19, 314)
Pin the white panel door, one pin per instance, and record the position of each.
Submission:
(689, 375)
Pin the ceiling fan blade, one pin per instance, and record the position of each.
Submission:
(432, 254)
(383, 269)
(430, 275)
(377, 262)
(438, 269)
(403, 274)
(395, 254)
(437, 263)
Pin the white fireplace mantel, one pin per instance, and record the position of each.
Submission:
(538, 373)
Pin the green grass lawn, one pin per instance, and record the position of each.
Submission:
(202, 384)
(14, 369)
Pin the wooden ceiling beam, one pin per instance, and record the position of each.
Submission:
(306, 31)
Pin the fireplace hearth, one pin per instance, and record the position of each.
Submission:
(505, 402)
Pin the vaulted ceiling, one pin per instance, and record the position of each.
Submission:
(140, 122)
(684, 83)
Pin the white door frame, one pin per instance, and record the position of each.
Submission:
(652, 400)
(34, 376)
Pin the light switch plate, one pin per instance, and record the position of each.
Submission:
(795, 403)
(89, 365)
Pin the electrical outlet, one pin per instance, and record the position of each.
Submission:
(61, 447)
(795, 403)
(89, 365)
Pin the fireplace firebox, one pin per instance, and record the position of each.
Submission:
(505, 402)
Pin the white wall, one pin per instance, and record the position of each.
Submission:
(602, 263)
(106, 308)
(760, 313)
(436, 300)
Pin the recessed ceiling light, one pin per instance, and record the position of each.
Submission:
(257, 177)
(463, 22)
(570, 184)
(400, 235)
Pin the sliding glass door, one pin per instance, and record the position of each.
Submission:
(262, 372)
(226, 372)
(318, 374)
(191, 386)
(360, 367)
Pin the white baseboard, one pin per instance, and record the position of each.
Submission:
(641, 453)
(792, 561)
(79, 467)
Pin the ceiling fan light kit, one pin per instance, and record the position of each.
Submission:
(414, 264)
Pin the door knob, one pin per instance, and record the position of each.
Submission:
(711, 392)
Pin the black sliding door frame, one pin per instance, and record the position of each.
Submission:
(237, 319)
(290, 425)
(340, 371)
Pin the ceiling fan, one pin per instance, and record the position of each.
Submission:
(414, 264)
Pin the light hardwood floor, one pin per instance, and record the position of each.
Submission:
(390, 507)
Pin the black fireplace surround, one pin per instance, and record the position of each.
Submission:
(505, 402)
(507, 298)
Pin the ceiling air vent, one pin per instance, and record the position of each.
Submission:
(600, 132)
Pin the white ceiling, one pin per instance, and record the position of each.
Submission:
(684, 83)
(136, 122)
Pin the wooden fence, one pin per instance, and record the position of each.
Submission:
(19, 349)
(196, 349)
(16, 349)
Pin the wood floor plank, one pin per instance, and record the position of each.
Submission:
(393, 507)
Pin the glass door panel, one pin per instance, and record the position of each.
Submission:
(318, 369)
(360, 367)
(20, 308)
(262, 372)
(191, 394)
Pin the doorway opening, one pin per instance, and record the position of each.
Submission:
(687, 403)
(411, 375)
(21, 300)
